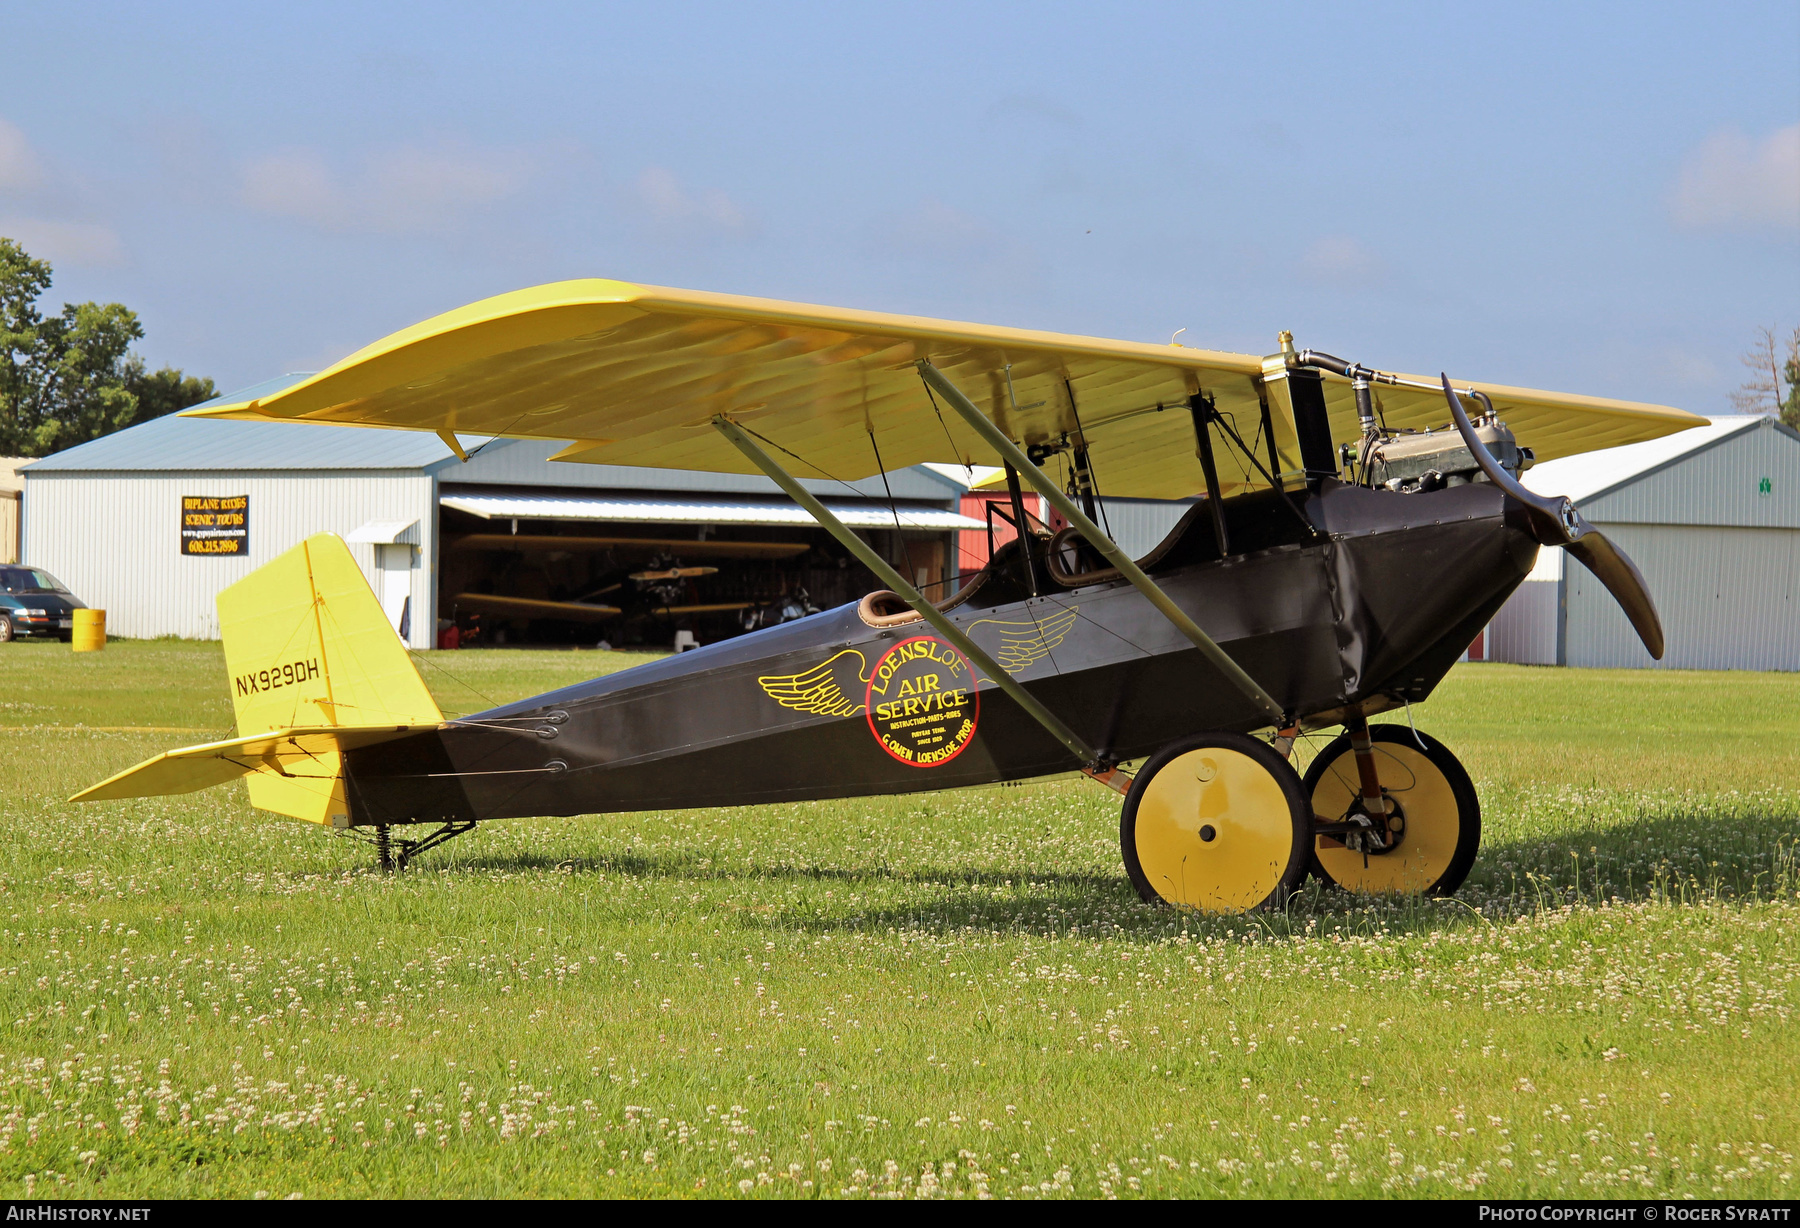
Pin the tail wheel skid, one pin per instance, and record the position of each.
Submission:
(392, 853)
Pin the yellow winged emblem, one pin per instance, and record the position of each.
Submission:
(1023, 644)
(820, 690)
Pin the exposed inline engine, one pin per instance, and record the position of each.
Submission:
(1408, 462)
(1417, 461)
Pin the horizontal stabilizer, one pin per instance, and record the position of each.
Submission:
(296, 754)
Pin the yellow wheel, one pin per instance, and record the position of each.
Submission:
(1218, 823)
(1433, 832)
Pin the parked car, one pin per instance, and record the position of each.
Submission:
(34, 602)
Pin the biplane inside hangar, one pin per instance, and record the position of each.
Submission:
(1354, 529)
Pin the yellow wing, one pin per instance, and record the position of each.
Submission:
(633, 375)
(1024, 644)
(819, 690)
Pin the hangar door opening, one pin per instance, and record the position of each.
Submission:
(643, 568)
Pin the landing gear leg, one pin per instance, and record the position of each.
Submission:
(393, 853)
(1374, 799)
(1283, 741)
(1424, 836)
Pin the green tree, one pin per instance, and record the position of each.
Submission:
(72, 377)
(165, 391)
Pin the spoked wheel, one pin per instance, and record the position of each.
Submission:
(1216, 822)
(1433, 830)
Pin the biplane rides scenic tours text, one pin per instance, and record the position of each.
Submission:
(1351, 531)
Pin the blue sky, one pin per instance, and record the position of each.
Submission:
(1594, 198)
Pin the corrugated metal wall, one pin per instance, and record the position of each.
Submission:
(1717, 536)
(114, 538)
(1139, 525)
(1729, 599)
(972, 544)
(1751, 480)
(1524, 632)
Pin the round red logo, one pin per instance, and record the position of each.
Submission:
(922, 702)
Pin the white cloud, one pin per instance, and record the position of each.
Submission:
(20, 168)
(77, 243)
(402, 191)
(1733, 182)
(671, 208)
(1341, 260)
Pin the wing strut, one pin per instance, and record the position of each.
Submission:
(1090, 758)
(996, 439)
(1201, 406)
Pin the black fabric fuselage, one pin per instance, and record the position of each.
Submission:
(1372, 608)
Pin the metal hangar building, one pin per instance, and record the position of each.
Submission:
(1712, 518)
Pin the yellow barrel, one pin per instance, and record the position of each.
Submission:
(89, 634)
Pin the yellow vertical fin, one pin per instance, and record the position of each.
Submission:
(307, 644)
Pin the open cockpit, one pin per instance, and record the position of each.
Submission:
(1058, 561)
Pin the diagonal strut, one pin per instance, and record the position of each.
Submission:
(996, 439)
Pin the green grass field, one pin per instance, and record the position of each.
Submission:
(950, 994)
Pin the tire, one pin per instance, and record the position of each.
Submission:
(1438, 806)
(6, 629)
(1217, 823)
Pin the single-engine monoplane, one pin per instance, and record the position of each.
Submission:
(1352, 530)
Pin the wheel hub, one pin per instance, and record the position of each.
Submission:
(1376, 834)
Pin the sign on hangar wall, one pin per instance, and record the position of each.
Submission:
(215, 524)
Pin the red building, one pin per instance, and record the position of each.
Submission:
(972, 544)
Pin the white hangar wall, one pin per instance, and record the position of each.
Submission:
(1727, 597)
(115, 538)
(1715, 529)
(1529, 627)
(1139, 525)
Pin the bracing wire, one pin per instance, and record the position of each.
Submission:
(1099, 626)
(809, 464)
(1250, 455)
(968, 469)
(893, 507)
(899, 535)
(420, 658)
(1093, 476)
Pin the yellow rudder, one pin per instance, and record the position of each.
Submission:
(315, 671)
(307, 645)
